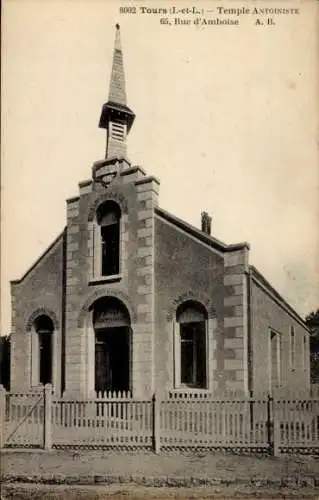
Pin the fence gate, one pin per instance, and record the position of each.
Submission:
(24, 420)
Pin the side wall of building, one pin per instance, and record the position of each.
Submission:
(39, 292)
(186, 269)
(268, 315)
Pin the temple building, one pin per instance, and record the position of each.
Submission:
(131, 298)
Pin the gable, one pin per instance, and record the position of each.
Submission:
(46, 260)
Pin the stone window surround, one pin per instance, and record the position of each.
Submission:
(95, 230)
(34, 348)
(209, 329)
(211, 324)
(273, 331)
(35, 359)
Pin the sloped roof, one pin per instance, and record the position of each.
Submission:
(39, 259)
(200, 235)
(266, 284)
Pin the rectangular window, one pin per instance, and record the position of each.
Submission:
(45, 346)
(193, 354)
(110, 249)
(188, 357)
(305, 352)
(292, 348)
(275, 360)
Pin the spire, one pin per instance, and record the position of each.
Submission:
(116, 117)
(117, 92)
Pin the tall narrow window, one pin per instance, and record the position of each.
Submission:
(292, 347)
(305, 352)
(110, 249)
(275, 360)
(44, 328)
(193, 357)
(108, 217)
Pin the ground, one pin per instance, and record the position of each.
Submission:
(100, 474)
(117, 492)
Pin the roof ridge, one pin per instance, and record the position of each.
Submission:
(207, 238)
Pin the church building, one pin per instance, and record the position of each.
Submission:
(131, 298)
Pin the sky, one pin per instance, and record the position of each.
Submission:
(226, 118)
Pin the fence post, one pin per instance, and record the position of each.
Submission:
(2, 414)
(156, 424)
(47, 423)
(276, 419)
(270, 422)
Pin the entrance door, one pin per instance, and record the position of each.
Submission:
(111, 322)
(112, 359)
(103, 372)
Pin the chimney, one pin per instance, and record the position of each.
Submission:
(206, 223)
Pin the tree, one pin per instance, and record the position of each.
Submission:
(312, 321)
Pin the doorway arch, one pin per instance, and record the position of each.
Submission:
(113, 340)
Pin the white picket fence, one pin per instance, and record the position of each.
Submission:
(296, 421)
(285, 423)
(106, 421)
(201, 420)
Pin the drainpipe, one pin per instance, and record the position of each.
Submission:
(249, 330)
(63, 312)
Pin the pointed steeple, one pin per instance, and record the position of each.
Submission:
(117, 92)
(116, 117)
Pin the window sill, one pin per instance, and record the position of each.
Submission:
(37, 388)
(187, 388)
(40, 388)
(105, 279)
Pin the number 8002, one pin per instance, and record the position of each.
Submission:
(127, 10)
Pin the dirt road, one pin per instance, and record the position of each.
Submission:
(125, 492)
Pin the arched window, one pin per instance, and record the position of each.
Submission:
(191, 317)
(108, 218)
(44, 328)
